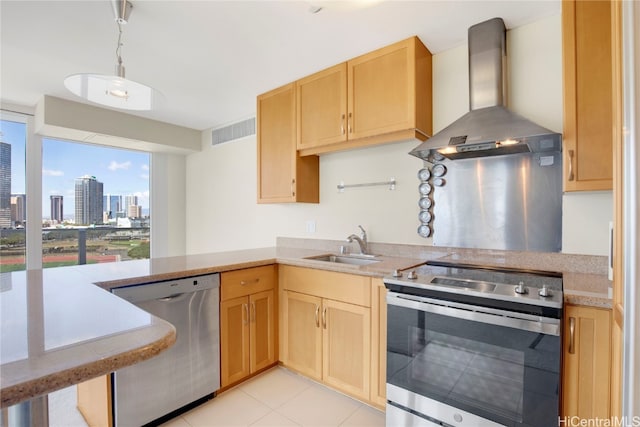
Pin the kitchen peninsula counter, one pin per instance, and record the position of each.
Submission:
(58, 329)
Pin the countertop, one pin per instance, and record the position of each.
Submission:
(54, 332)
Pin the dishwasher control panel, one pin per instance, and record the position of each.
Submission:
(167, 288)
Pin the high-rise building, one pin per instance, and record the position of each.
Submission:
(135, 211)
(88, 200)
(112, 205)
(18, 209)
(5, 185)
(129, 201)
(57, 209)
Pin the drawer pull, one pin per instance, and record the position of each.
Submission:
(253, 312)
(248, 282)
(342, 125)
(317, 316)
(245, 319)
(572, 335)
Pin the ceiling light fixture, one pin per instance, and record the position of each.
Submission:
(114, 91)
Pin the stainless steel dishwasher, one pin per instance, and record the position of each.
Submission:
(187, 373)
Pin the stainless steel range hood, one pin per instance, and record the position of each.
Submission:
(489, 128)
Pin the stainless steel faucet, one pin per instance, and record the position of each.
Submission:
(362, 240)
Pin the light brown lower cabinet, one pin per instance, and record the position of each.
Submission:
(94, 401)
(247, 322)
(326, 327)
(378, 343)
(586, 363)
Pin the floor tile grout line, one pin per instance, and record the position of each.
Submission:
(279, 413)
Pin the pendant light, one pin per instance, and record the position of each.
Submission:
(114, 91)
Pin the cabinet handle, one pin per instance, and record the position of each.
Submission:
(572, 335)
(324, 318)
(342, 125)
(317, 316)
(293, 189)
(571, 176)
(247, 282)
(245, 319)
(253, 312)
(349, 124)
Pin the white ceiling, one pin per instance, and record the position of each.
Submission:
(211, 58)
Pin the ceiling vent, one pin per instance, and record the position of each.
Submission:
(233, 131)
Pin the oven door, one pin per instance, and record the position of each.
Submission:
(496, 365)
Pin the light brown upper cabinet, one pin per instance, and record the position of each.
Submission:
(283, 176)
(322, 108)
(588, 95)
(382, 96)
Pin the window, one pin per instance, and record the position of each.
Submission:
(13, 133)
(41, 177)
(95, 205)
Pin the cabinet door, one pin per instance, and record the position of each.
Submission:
(588, 95)
(586, 363)
(381, 91)
(322, 107)
(346, 347)
(302, 340)
(234, 340)
(94, 401)
(379, 343)
(262, 330)
(283, 176)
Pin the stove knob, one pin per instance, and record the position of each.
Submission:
(396, 273)
(545, 292)
(412, 275)
(521, 288)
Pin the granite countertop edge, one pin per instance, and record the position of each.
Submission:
(19, 390)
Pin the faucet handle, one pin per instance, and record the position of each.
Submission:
(363, 233)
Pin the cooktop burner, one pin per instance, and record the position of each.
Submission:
(475, 283)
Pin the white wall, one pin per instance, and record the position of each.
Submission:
(221, 204)
(167, 184)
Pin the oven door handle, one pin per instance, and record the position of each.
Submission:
(477, 314)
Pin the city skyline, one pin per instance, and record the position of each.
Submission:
(123, 172)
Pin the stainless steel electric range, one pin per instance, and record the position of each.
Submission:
(471, 345)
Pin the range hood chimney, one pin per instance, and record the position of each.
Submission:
(489, 128)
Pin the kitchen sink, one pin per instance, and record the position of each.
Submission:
(345, 259)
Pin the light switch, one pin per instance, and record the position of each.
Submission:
(311, 226)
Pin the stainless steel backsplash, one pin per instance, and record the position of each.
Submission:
(511, 202)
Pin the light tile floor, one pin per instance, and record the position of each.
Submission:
(277, 397)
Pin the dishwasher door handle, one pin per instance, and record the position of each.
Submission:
(170, 297)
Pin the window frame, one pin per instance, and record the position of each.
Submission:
(33, 190)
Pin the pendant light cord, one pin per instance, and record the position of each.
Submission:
(119, 67)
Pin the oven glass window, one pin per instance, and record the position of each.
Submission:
(507, 375)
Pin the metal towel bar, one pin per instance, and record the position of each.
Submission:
(391, 183)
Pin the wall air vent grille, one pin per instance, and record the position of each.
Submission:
(233, 131)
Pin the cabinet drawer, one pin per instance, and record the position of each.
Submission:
(327, 284)
(238, 283)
